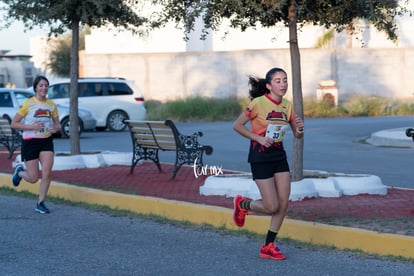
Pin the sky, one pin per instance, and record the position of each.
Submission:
(17, 40)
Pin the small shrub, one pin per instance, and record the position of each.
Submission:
(194, 109)
(320, 109)
(366, 106)
(228, 109)
(402, 107)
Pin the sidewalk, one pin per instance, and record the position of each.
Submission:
(389, 218)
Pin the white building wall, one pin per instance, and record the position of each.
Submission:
(169, 76)
(171, 39)
(102, 40)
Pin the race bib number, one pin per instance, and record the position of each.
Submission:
(46, 129)
(276, 132)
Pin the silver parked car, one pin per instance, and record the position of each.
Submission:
(12, 98)
(111, 100)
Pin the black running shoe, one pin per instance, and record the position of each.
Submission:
(41, 208)
(16, 178)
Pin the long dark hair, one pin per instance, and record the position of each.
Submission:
(37, 80)
(257, 86)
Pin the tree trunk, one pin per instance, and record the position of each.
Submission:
(74, 68)
(297, 172)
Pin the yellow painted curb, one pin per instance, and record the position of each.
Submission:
(315, 233)
(349, 238)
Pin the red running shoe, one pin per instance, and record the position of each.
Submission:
(239, 214)
(270, 252)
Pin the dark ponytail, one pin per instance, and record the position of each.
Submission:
(257, 86)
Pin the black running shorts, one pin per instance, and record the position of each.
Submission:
(32, 148)
(266, 170)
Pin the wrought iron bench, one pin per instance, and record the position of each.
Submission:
(9, 138)
(148, 137)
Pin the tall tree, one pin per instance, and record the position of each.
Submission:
(244, 14)
(64, 15)
(59, 55)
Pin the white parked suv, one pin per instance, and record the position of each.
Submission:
(111, 100)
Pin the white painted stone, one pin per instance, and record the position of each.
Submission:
(391, 137)
(69, 162)
(340, 184)
(303, 189)
(228, 185)
(326, 187)
(93, 160)
(116, 158)
(360, 184)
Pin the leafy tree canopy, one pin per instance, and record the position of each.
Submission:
(245, 14)
(58, 16)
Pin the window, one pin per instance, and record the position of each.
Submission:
(86, 90)
(118, 89)
(58, 91)
(99, 88)
(6, 100)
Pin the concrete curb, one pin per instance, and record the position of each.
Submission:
(391, 137)
(310, 232)
(327, 185)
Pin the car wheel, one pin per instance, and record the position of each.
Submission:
(115, 121)
(65, 124)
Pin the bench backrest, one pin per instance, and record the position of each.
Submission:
(5, 129)
(153, 134)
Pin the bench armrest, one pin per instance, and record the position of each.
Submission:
(190, 142)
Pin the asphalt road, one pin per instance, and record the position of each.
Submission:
(332, 145)
(78, 241)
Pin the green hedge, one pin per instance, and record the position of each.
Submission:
(227, 109)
